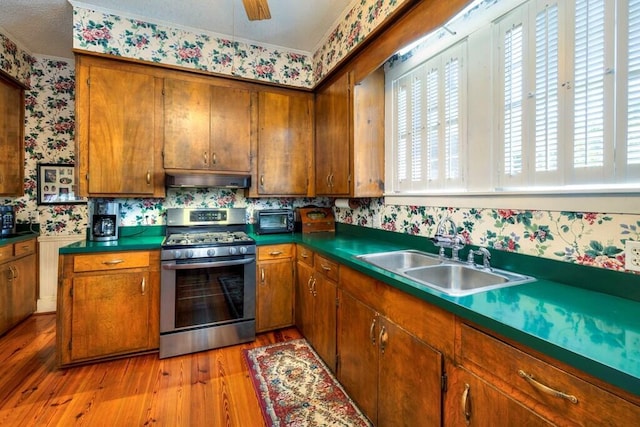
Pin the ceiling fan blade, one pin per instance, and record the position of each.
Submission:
(257, 9)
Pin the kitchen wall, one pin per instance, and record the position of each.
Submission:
(594, 238)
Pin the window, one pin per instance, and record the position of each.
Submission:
(520, 98)
(428, 146)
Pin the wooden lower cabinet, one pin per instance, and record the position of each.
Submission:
(316, 310)
(18, 283)
(540, 386)
(108, 305)
(395, 378)
(406, 362)
(471, 401)
(274, 290)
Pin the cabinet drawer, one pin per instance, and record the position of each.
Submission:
(533, 381)
(327, 267)
(24, 248)
(6, 252)
(275, 252)
(110, 261)
(304, 255)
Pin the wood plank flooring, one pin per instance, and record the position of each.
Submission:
(210, 388)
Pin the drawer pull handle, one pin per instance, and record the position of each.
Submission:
(262, 276)
(313, 288)
(113, 262)
(466, 411)
(144, 286)
(275, 253)
(545, 389)
(305, 255)
(148, 177)
(326, 267)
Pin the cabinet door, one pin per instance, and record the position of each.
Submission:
(231, 122)
(285, 139)
(416, 400)
(11, 139)
(304, 299)
(358, 345)
(6, 283)
(470, 401)
(122, 129)
(274, 295)
(324, 320)
(333, 137)
(111, 314)
(24, 288)
(186, 125)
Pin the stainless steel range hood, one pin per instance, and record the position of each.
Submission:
(207, 180)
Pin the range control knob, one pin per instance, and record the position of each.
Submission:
(233, 250)
(211, 252)
(243, 249)
(177, 254)
(189, 253)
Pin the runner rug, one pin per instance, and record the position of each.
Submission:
(295, 388)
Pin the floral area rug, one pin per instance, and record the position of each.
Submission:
(295, 388)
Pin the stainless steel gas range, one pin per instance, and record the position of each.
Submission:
(208, 282)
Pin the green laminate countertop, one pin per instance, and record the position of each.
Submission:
(596, 332)
(592, 331)
(18, 237)
(130, 239)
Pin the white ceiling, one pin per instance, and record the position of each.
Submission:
(46, 26)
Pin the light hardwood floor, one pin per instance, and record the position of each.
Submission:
(210, 388)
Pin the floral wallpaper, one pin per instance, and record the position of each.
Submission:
(363, 17)
(588, 238)
(14, 61)
(130, 38)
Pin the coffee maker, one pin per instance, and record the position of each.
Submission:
(7, 221)
(104, 217)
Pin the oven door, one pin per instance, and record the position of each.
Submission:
(207, 292)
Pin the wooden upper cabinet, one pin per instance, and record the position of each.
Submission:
(285, 144)
(207, 127)
(349, 146)
(332, 148)
(186, 124)
(11, 139)
(119, 129)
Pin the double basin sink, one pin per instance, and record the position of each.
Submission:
(454, 278)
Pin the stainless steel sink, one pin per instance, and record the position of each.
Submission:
(400, 260)
(459, 279)
(451, 277)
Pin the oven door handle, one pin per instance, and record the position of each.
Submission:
(207, 264)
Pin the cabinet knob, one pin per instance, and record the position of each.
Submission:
(262, 180)
(143, 286)
(262, 276)
(205, 158)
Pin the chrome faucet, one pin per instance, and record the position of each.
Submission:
(448, 238)
(486, 256)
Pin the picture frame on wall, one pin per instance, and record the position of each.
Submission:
(56, 184)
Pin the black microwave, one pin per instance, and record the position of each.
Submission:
(270, 221)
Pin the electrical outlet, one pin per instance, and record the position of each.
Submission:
(632, 255)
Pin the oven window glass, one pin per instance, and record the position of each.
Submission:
(209, 295)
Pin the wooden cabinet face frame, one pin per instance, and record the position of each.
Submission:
(12, 112)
